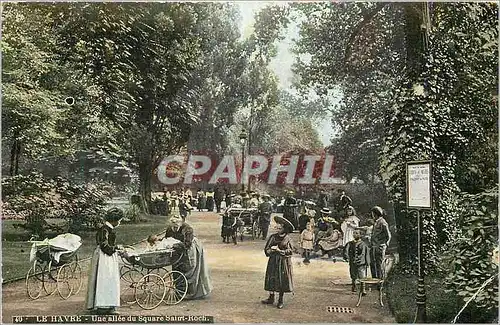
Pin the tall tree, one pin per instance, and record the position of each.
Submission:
(394, 64)
(141, 57)
(218, 78)
(35, 115)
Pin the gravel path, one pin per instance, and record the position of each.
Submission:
(238, 278)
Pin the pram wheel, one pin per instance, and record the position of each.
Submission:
(176, 287)
(130, 277)
(150, 291)
(50, 279)
(162, 272)
(69, 280)
(34, 281)
(77, 278)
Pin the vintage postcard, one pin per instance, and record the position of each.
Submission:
(249, 162)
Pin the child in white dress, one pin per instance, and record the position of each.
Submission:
(306, 241)
(349, 225)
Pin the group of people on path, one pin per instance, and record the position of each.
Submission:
(363, 247)
(368, 247)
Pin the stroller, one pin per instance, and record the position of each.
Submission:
(55, 267)
(149, 279)
(230, 224)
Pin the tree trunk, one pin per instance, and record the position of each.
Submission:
(15, 154)
(18, 156)
(12, 158)
(413, 42)
(145, 176)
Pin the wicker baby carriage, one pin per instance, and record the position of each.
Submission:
(148, 278)
(55, 267)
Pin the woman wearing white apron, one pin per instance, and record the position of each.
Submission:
(103, 291)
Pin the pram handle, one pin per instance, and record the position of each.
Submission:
(128, 246)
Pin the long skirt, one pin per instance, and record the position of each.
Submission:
(210, 204)
(103, 289)
(201, 203)
(279, 275)
(199, 284)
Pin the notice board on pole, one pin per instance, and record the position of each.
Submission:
(419, 185)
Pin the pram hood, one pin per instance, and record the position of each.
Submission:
(62, 244)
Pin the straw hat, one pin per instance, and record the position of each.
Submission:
(282, 221)
(378, 211)
(326, 211)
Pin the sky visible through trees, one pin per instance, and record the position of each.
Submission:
(282, 63)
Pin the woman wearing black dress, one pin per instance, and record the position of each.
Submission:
(279, 249)
(193, 265)
(103, 290)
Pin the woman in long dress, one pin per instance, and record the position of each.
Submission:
(349, 225)
(103, 291)
(201, 200)
(330, 241)
(279, 249)
(193, 266)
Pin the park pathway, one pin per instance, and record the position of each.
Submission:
(237, 274)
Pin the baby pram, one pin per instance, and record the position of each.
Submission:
(55, 267)
(148, 278)
(229, 227)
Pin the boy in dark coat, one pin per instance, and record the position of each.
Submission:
(357, 253)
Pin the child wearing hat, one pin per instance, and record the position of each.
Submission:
(103, 293)
(279, 249)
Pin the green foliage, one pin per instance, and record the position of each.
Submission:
(223, 88)
(470, 262)
(35, 198)
(36, 121)
(442, 305)
(31, 198)
(133, 213)
(409, 94)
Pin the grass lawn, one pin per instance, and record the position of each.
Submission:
(442, 306)
(16, 249)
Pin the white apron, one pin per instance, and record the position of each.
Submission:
(104, 281)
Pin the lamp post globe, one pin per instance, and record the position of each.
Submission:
(243, 137)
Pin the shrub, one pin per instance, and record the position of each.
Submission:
(32, 198)
(85, 206)
(470, 262)
(133, 213)
(35, 198)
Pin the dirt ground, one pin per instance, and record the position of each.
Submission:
(237, 274)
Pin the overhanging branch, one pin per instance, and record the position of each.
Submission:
(367, 17)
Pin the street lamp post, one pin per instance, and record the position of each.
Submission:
(243, 139)
(419, 199)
